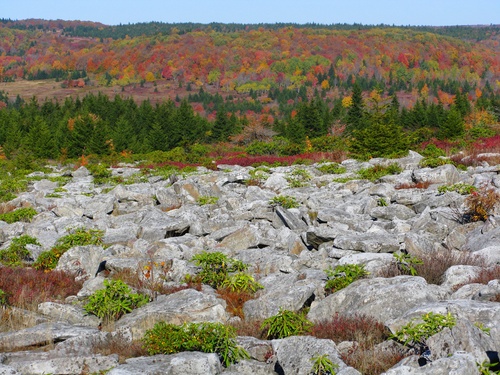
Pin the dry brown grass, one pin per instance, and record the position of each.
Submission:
(116, 344)
(486, 275)
(235, 300)
(250, 328)
(372, 362)
(435, 264)
(414, 185)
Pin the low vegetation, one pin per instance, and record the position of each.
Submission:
(115, 300)
(165, 338)
(343, 275)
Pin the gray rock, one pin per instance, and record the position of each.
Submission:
(186, 363)
(464, 336)
(8, 370)
(243, 238)
(373, 262)
(322, 233)
(459, 275)
(71, 314)
(185, 306)
(367, 242)
(478, 239)
(251, 367)
(287, 349)
(490, 254)
(40, 335)
(291, 220)
(98, 206)
(81, 172)
(444, 174)
(74, 364)
(458, 364)
(280, 291)
(381, 298)
(476, 312)
(392, 212)
(81, 261)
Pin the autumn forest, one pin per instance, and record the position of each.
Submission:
(253, 90)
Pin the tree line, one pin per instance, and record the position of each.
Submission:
(372, 125)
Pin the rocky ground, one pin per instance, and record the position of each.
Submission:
(350, 222)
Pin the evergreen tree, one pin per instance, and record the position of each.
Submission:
(453, 126)
(356, 113)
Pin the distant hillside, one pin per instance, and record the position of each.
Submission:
(255, 58)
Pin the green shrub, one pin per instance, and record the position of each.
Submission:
(17, 252)
(432, 151)
(207, 337)
(4, 298)
(433, 162)
(215, 268)
(21, 214)
(343, 275)
(206, 199)
(298, 178)
(460, 188)
(99, 171)
(415, 334)
(114, 300)
(48, 260)
(10, 186)
(284, 201)
(378, 171)
(322, 365)
(331, 168)
(286, 323)
(406, 263)
(241, 282)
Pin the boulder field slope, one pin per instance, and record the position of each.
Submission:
(339, 219)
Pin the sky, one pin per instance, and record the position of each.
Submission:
(373, 12)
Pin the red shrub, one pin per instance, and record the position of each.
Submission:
(361, 328)
(27, 287)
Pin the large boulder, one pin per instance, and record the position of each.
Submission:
(186, 363)
(381, 298)
(185, 306)
(287, 291)
(288, 360)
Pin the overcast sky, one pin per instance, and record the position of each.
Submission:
(398, 12)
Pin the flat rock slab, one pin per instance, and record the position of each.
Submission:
(381, 298)
(185, 306)
(40, 335)
(186, 363)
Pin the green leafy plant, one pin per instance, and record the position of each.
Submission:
(114, 300)
(206, 199)
(415, 334)
(207, 337)
(460, 188)
(382, 202)
(298, 178)
(241, 282)
(481, 326)
(406, 263)
(21, 214)
(331, 168)
(17, 252)
(322, 365)
(4, 298)
(434, 162)
(286, 323)
(284, 201)
(48, 260)
(343, 275)
(215, 268)
(488, 368)
(378, 171)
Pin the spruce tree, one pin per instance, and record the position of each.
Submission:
(356, 113)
